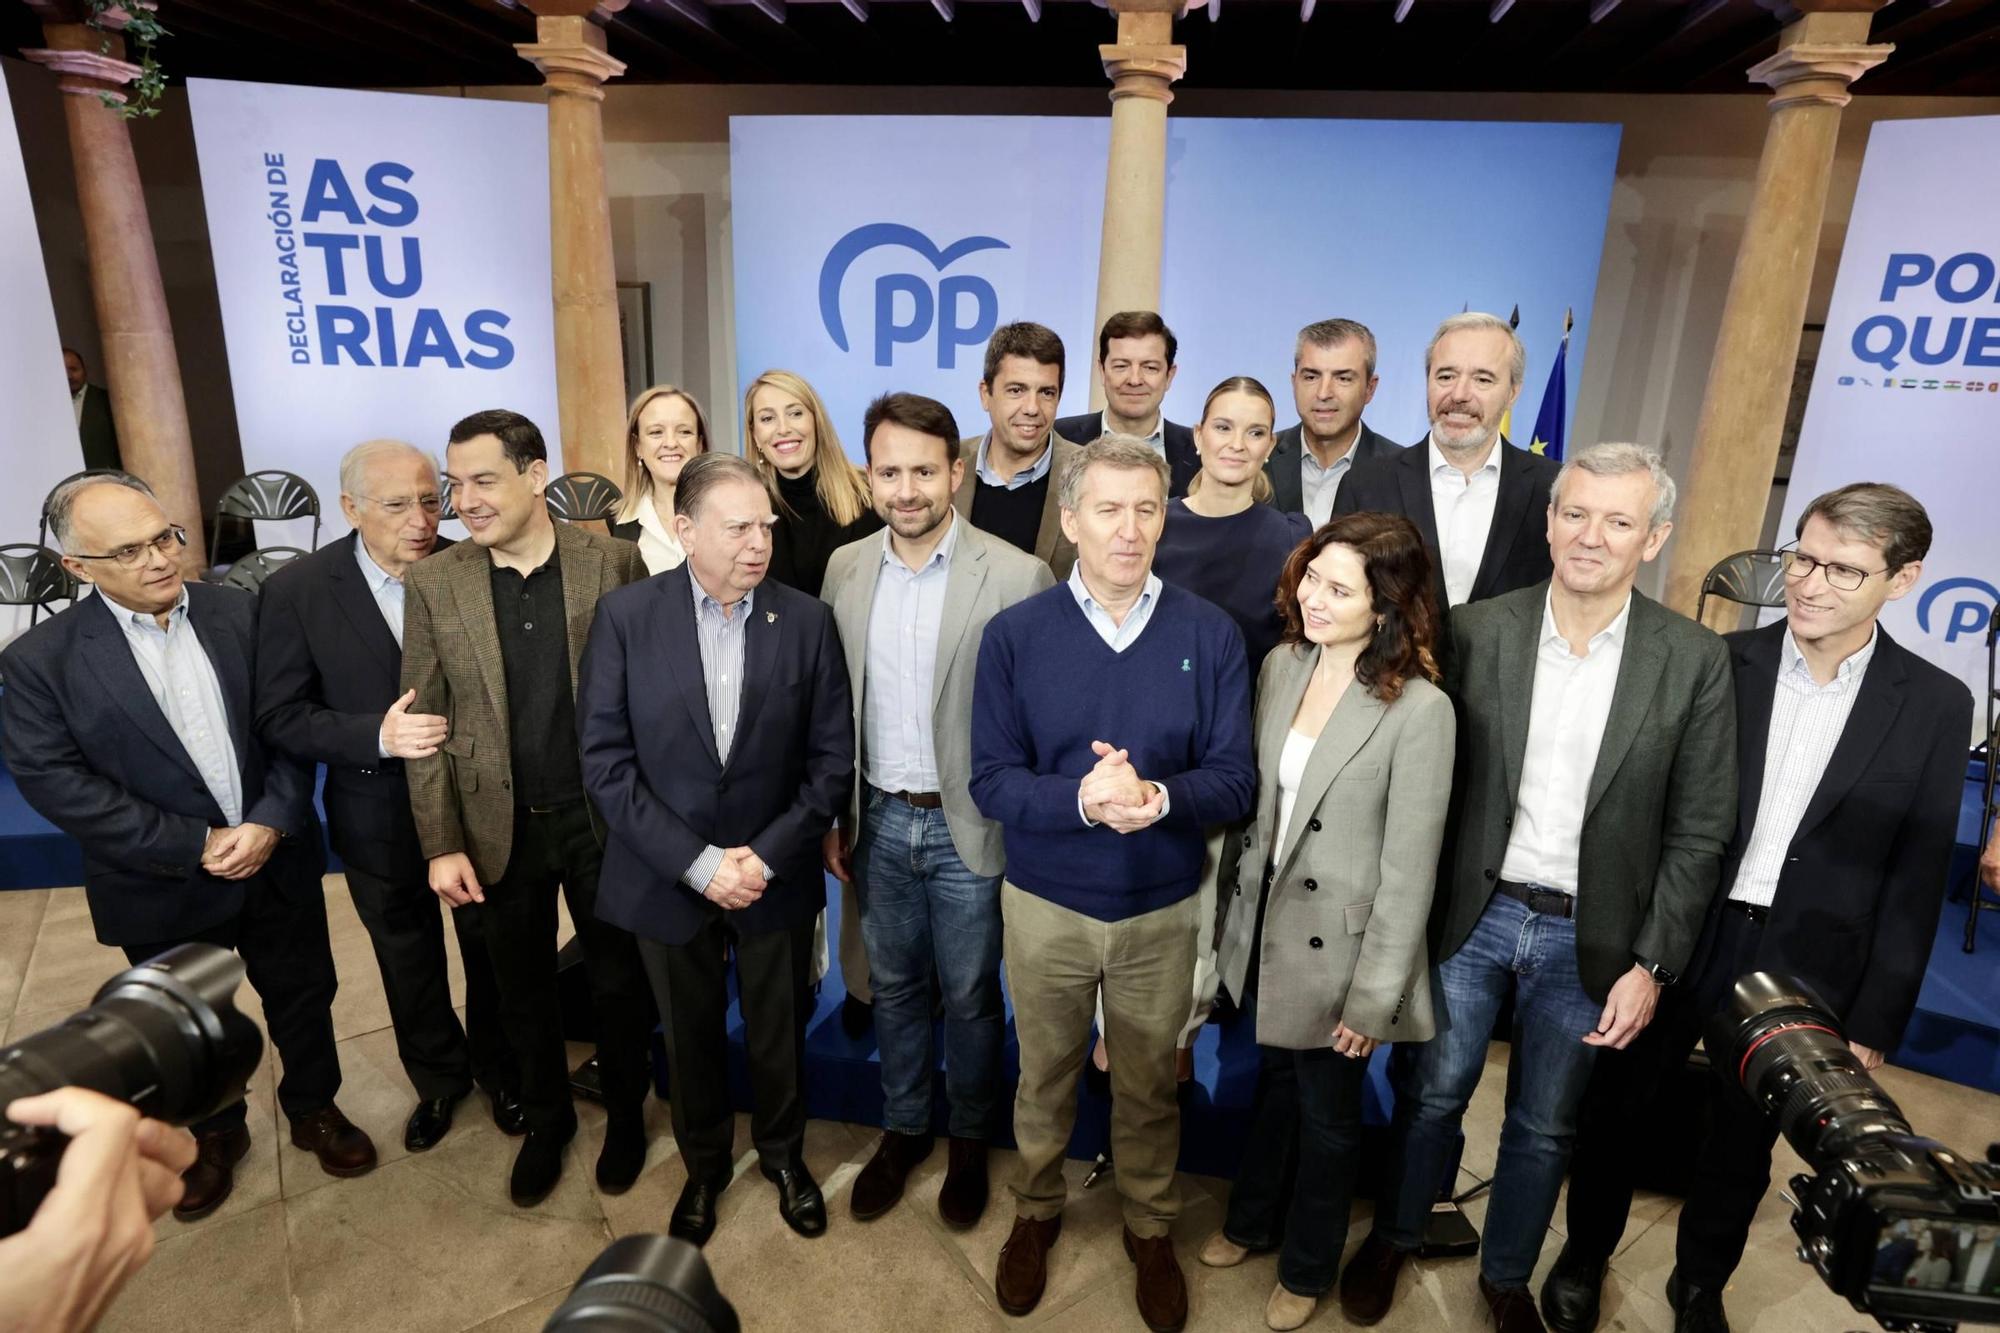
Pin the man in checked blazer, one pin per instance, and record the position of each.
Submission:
(493, 630)
(912, 604)
(1595, 792)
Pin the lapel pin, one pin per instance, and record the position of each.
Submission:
(770, 617)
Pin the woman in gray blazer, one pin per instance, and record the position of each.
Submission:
(1324, 937)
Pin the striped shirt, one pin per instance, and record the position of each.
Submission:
(1806, 721)
(183, 683)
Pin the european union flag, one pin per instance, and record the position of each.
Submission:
(1549, 422)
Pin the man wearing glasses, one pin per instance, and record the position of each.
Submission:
(329, 657)
(127, 725)
(1850, 754)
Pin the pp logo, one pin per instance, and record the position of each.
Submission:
(1969, 615)
(946, 309)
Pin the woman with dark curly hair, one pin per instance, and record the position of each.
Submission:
(1324, 939)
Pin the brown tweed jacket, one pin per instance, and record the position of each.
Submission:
(462, 797)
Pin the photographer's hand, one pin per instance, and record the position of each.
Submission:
(95, 1228)
(1870, 1058)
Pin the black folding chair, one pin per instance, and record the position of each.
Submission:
(583, 497)
(1750, 578)
(250, 571)
(32, 575)
(270, 496)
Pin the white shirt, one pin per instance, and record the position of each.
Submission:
(657, 545)
(1463, 507)
(1566, 722)
(384, 587)
(182, 681)
(1319, 484)
(1806, 721)
(1292, 762)
(76, 403)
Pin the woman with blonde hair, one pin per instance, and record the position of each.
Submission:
(822, 498)
(665, 429)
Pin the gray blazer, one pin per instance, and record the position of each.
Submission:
(1346, 899)
(1662, 800)
(1282, 467)
(987, 576)
(1052, 548)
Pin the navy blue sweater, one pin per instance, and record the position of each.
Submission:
(1234, 562)
(1178, 699)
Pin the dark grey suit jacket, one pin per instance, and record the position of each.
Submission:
(1662, 799)
(1282, 467)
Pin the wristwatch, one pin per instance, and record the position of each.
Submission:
(1659, 974)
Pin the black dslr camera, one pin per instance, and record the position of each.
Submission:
(1903, 1227)
(165, 1036)
(645, 1284)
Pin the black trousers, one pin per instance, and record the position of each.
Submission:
(406, 925)
(557, 851)
(774, 982)
(281, 936)
(1733, 1167)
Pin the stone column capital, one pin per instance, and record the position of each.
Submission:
(87, 73)
(1817, 73)
(1147, 71)
(571, 56)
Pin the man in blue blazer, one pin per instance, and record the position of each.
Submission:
(129, 726)
(717, 734)
(1135, 358)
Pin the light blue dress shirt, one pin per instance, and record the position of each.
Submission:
(384, 587)
(1158, 439)
(903, 627)
(184, 685)
(1117, 637)
(722, 641)
(1026, 476)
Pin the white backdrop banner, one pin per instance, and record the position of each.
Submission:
(383, 266)
(38, 443)
(1907, 387)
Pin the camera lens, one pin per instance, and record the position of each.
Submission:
(1784, 1046)
(645, 1284)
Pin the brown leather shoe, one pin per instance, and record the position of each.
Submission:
(879, 1187)
(1161, 1289)
(1513, 1308)
(343, 1148)
(1369, 1285)
(1024, 1263)
(962, 1201)
(207, 1183)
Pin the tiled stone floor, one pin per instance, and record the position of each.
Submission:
(430, 1244)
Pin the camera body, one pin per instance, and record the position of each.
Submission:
(165, 1037)
(1903, 1227)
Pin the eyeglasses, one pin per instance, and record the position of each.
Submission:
(430, 504)
(132, 556)
(1799, 566)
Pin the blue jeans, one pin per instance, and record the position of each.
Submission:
(1535, 956)
(923, 914)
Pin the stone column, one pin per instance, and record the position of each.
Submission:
(1143, 65)
(140, 370)
(1728, 483)
(590, 363)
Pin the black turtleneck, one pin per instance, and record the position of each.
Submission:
(807, 536)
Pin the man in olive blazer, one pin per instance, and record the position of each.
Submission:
(1346, 899)
(1052, 548)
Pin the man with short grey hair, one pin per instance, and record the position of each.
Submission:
(1477, 500)
(1110, 730)
(1596, 788)
(329, 662)
(1333, 380)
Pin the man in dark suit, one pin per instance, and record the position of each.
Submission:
(718, 741)
(1478, 500)
(1594, 793)
(1851, 755)
(1010, 489)
(94, 427)
(493, 630)
(1333, 380)
(1135, 358)
(128, 727)
(329, 654)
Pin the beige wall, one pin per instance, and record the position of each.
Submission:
(1685, 170)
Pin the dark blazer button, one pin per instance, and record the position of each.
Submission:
(1488, 873)
(506, 784)
(1246, 841)
(1316, 942)
(1313, 825)
(1312, 886)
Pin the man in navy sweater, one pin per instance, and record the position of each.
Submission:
(1111, 727)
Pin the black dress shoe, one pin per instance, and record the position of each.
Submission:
(623, 1154)
(508, 1113)
(1572, 1292)
(429, 1123)
(799, 1199)
(1696, 1309)
(538, 1166)
(693, 1218)
(857, 1017)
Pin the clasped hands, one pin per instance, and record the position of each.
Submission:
(1114, 795)
(739, 880)
(239, 852)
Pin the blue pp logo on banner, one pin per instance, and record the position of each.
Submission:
(1969, 615)
(942, 308)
